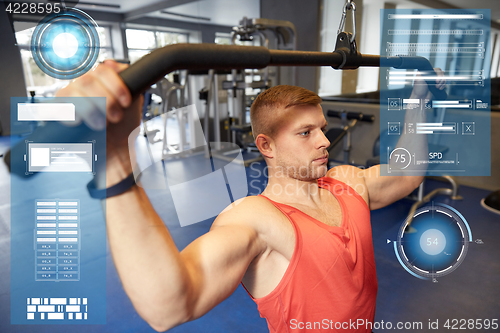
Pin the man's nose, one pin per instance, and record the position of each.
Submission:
(323, 142)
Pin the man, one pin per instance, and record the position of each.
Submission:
(303, 249)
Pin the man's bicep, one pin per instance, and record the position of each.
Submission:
(384, 190)
(216, 263)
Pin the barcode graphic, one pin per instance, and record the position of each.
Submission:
(56, 308)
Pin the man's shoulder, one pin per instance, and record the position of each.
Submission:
(351, 176)
(251, 211)
(346, 173)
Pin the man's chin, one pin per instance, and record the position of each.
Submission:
(315, 174)
(304, 172)
(321, 171)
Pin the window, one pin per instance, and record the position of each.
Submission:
(223, 38)
(227, 39)
(141, 42)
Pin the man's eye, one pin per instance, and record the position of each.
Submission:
(306, 133)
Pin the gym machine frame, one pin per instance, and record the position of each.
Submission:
(282, 33)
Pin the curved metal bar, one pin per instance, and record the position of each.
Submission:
(154, 66)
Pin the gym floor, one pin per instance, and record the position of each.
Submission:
(470, 292)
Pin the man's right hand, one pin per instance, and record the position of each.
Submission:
(122, 114)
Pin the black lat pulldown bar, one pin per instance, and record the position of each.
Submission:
(154, 66)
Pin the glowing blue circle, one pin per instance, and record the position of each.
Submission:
(65, 45)
(65, 64)
(432, 242)
(436, 243)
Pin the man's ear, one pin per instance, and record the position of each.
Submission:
(265, 145)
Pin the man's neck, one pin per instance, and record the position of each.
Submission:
(285, 189)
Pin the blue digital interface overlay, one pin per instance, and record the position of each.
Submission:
(58, 232)
(454, 123)
(433, 242)
(65, 45)
(57, 240)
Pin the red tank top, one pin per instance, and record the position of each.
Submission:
(331, 282)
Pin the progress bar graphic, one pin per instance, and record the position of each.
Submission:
(435, 16)
(474, 78)
(452, 104)
(438, 49)
(468, 32)
(436, 128)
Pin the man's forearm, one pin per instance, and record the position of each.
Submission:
(416, 144)
(146, 258)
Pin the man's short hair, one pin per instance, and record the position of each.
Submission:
(264, 113)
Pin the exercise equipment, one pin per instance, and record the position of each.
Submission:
(348, 122)
(154, 66)
(492, 202)
(284, 38)
(243, 85)
(175, 99)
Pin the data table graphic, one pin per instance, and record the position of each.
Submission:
(57, 240)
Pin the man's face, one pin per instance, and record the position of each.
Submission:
(300, 142)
